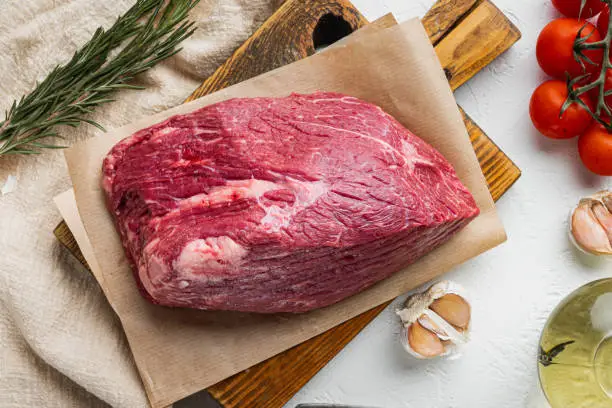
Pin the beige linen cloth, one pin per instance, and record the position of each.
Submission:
(60, 343)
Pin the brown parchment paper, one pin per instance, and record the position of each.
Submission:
(178, 351)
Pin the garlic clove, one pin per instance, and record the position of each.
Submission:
(429, 334)
(604, 216)
(424, 342)
(454, 309)
(586, 229)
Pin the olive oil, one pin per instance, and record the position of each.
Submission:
(575, 357)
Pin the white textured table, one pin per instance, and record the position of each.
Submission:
(513, 287)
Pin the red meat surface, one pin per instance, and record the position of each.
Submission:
(278, 204)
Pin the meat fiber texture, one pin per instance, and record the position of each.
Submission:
(278, 204)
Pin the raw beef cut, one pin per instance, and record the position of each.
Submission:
(278, 204)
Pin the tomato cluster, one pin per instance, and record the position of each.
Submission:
(555, 54)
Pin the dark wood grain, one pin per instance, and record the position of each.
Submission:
(464, 43)
(443, 15)
(65, 237)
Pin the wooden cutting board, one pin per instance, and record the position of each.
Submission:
(467, 35)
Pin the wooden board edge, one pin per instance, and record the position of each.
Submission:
(515, 30)
(481, 36)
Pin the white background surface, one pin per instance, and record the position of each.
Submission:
(513, 287)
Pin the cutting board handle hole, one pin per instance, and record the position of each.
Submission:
(329, 29)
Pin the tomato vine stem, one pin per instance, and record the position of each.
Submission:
(575, 91)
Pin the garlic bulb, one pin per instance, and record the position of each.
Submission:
(591, 224)
(435, 321)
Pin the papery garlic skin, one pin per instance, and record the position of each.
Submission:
(590, 224)
(417, 316)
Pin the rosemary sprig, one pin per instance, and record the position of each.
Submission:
(602, 111)
(150, 30)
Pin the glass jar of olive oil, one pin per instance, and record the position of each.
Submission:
(575, 354)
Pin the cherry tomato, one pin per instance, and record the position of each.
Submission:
(571, 8)
(545, 106)
(595, 148)
(555, 48)
(603, 21)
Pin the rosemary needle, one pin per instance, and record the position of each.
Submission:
(150, 30)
